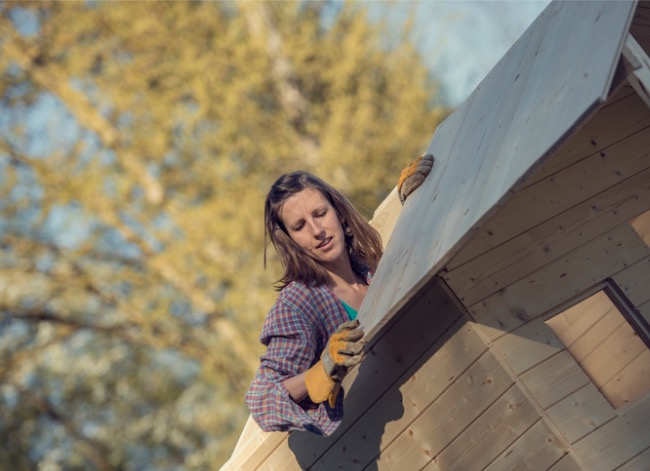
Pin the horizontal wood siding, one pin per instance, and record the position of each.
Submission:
(404, 348)
(614, 443)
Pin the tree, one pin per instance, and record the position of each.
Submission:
(137, 143)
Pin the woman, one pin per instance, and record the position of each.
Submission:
(328, 253)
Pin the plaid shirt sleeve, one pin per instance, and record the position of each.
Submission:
(295, 332)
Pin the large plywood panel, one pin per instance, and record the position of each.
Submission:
(554, 76)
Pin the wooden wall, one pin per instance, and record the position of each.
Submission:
(552, 245)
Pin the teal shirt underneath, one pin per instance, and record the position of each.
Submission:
(352, 312)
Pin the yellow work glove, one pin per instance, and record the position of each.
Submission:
(343, 350)
(412, 176)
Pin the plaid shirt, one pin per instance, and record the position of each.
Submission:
(295, 333)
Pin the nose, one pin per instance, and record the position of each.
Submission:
(317, 230)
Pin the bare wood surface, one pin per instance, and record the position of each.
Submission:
(538, 448)
(493, 431)
(615, 442)
(554, 379)
(638, 462)
(562, 192)
(581, 412)
(532, 295)
(482, 384)
(553, 238)
(528, 345)
(634, 282)
(446, 363)
(631, 382)
(404, 345)
(520, 112)
(567, 463)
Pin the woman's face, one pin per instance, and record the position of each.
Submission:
(312, 222)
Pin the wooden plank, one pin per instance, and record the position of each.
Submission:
(538, 448)
(638, 462)
(403, 345)
(581, 412)
(255, 451)
(641, 225)
(622, 115)
(631, 382)
(634, 281)
(616, 442)
(620, 348)
(455, 410)
(560, 192)
(568, 463)
(491, 433)
(528, 345)
(547, 84)
(554, 379)
(530, 250)
(572, 323)
(591, 339)
(447, 360)
(558, 282)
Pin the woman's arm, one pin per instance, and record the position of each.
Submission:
(296, 387)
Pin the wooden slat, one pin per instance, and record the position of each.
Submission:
(554, 379)
(620, 348)
(641, 225)
(571, 325)
(455, 410)
(538, 448)
(549, 82)
(403, 346)
(581, 412)
(558, 282)
(617, 441)
(631, 382)
(568, 463)
(528, 345)
(447, 360)
(491, 433)
(501, 266)
(559, 193)
(638, 462)
(634, 281)
(622, 115)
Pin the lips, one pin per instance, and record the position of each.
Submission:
(324, 242)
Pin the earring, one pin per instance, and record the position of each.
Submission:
(348, 230)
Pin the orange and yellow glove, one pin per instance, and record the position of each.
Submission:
(412, 176)
(343, 350)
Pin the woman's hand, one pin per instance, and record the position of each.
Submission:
(413, 176)
(344, 349)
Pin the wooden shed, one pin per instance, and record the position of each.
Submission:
(509, 317)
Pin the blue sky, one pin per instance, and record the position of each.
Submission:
(463, 39)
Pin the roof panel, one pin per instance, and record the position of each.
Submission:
(545, 86)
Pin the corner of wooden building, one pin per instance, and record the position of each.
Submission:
(510, 316)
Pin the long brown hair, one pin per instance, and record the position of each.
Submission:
(362, 241)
